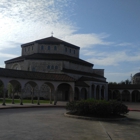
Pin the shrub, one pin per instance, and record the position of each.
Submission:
(98, 108)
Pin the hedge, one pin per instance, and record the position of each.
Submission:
(98, 108)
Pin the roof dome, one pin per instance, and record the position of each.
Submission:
(137, 74)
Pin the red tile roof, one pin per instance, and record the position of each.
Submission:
(35, 75)
(44, 56)
(82, 73)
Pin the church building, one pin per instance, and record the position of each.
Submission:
(54, 56)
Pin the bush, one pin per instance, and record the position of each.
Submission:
(97, 108)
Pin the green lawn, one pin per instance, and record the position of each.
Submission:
(17, 101)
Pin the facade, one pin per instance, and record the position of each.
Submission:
(136, 78)
(54, 56)
(128, 92)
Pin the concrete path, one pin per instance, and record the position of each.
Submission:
(51, 124)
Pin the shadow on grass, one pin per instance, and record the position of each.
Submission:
(17, 101)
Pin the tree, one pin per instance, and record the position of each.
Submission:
(126, 82)
(112, 83)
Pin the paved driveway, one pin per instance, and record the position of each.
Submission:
(51, 124)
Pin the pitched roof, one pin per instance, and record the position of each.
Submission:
(81, 84)
(82, 73)
(35, 75)
(51, 40)
(83, 78)
(44, 56)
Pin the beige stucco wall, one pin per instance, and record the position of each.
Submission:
(60, 49)
(20, 64)
(98, 71)
(42, 66)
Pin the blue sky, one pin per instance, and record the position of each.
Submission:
(108, 31)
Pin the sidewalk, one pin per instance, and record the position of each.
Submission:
(30, 105)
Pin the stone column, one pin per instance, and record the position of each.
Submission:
(71, 93)
(121, 96)
(55, 97)
(130, 97)
(4, 92)
(32, 95)
(104, 94)
(80, 95)
(21, 96)
(90, 92)
(13, 96)
(50, 96)
(100, 92)
(95, 91)
(38, 97)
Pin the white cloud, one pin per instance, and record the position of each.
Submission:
(5, 55)
(87, 40)
(112, 58)
(27, 20)
(124, 44)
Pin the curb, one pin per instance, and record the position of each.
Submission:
(134, 110)
(17, 107)
(95, 119)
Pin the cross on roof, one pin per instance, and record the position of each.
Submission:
(52, 33)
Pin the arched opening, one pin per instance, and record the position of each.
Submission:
(116, 95)
(14, 90)
(76, 94)
(16, 67)
(64, 92)
(135, 96)
(31, 91)
(84, 93)
(126, 96)
(47, 91)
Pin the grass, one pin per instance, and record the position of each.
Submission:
(17, 101)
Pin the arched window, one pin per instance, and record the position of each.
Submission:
(70, 50)
(33, 68)
(48, 47)
(65, 49)
(74, 51)
(52, 67)
(42, 47)
(55, 48)
(48, 67)
(56, 67)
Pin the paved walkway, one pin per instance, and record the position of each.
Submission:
(51, 124)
